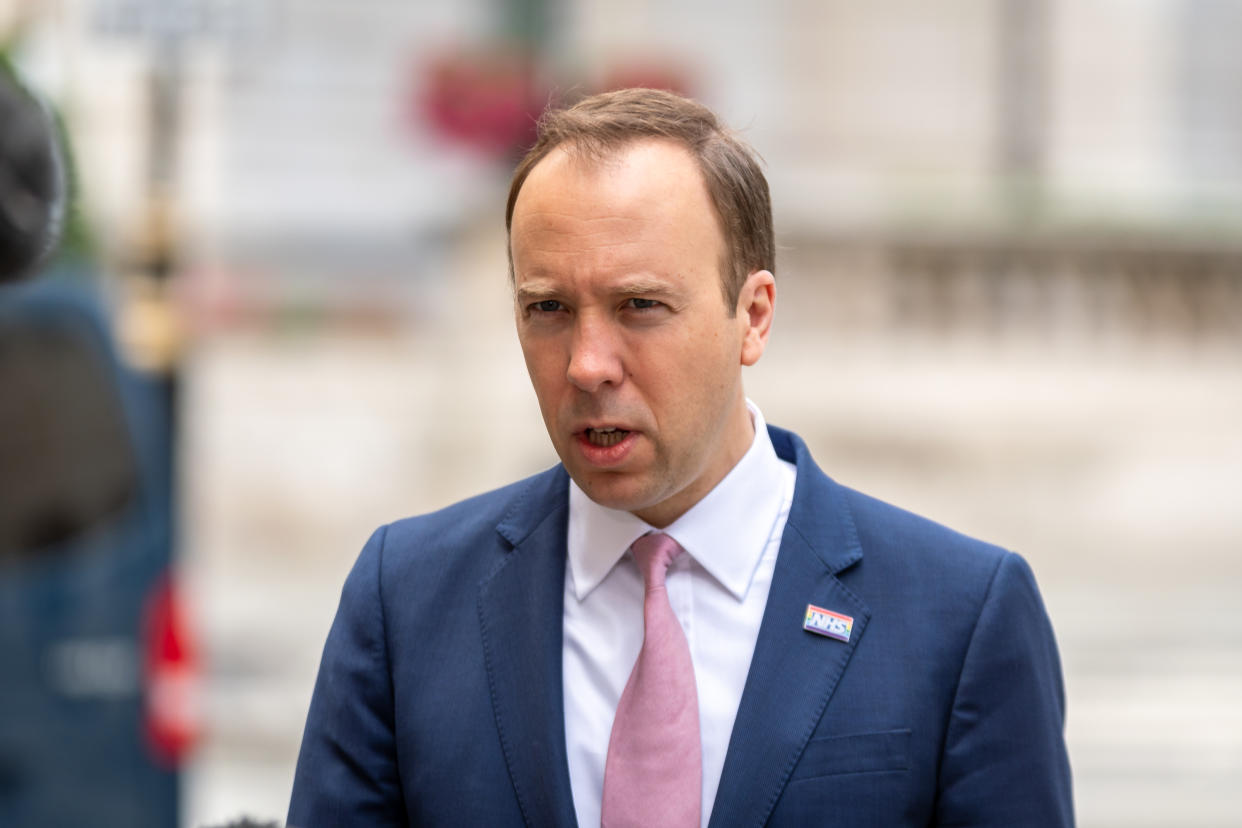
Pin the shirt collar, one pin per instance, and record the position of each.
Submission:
(725, 532)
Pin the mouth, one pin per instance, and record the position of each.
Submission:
(605, 437)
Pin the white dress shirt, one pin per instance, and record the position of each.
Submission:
(718, 592)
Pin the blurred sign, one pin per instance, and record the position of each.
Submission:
(486, 99)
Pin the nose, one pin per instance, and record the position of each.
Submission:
(595, 356)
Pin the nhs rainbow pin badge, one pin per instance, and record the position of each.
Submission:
(828, 623)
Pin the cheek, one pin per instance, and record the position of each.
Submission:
(543, 360)
(687, 385)
(543, 379)
(683, 371)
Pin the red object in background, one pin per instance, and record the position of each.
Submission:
(172, 673)
(484, 99)
(489, 100)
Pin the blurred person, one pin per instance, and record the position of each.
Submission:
(94, 705)
(684, 622)
(32, 180)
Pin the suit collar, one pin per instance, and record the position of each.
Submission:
(819, 509)
(535, 499)
(793, 673)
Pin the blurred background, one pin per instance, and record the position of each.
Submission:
(1009, 298)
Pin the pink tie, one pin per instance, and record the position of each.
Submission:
(654, 773)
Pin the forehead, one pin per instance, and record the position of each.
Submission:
(631, 168)
(648, 197)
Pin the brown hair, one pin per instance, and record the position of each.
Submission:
(604, 123)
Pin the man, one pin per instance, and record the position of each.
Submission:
(792, 653)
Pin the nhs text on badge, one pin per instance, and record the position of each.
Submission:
(829, 623)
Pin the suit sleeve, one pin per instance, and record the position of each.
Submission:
(347, 768)
(1005, 762)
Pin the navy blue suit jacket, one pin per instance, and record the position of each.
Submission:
(439, 698)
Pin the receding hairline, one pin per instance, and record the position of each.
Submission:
(589, 156)
(591, 152)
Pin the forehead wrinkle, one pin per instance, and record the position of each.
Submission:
(552, 250)
(560, 223)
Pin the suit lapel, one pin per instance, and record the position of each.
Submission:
(520, 612)
(793, 672)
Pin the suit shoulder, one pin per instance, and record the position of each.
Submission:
(476, 520)
(849, 526)
(913, 568)
(886, 530)
(432, 555)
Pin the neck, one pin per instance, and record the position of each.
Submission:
(736, 439)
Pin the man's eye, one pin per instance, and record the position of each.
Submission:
(643, 304)
(546, 306)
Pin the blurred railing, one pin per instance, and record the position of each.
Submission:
(1054, 287)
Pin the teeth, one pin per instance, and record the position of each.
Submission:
(605, 436)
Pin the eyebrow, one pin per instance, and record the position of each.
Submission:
(536, 293)
(638, 286)
(641, 286)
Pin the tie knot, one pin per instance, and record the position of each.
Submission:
(654, 553)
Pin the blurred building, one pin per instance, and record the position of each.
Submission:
(1010, 262)
(958, 147)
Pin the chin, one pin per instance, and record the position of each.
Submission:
(616, 494)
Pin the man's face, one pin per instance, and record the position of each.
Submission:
(634, 357)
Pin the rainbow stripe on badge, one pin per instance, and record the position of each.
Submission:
(828, 623)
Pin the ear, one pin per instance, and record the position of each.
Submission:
(756, 305)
